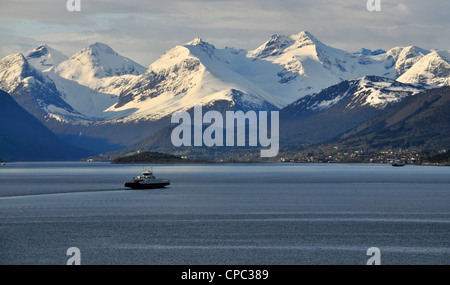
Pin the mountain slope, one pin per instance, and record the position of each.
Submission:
(95, 62)
(308, 65)
(101, 95)
(85, 100)
(102, 85)
(33, 90)
(44, 57)
(56, 102)
(405, 57)
(432, 69)
(277, 73)
(23, 137)
(339, 108)
(184, 76)
(421, 121)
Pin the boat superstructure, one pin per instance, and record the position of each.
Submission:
(147, 181)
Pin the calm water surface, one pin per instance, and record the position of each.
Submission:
(225, 214)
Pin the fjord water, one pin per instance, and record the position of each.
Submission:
(225, 214)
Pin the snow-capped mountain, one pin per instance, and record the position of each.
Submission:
(45, 57)
(308, 65)
(186, 75)
(95, 62)
(102, 85)
(432, 69)
(92, 79)
(277, 73)
(99, 92)
(379, 93)
(371, 91)
(87, 72)
(340, 107)
(405, 57)
(32, 89)
(418, 122)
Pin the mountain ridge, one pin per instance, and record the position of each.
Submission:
(25, 138)
(97, 93)
(420, 121)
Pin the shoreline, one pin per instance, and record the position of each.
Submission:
(214, 162)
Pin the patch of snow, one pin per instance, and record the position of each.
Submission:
(45, 57)
(94, 62)
(433, 69)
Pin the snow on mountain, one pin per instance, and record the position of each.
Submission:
(97, 93)
(186, 75)
(338, 108)
(13, 70)
(433, 69)
(33, 90)
(371, 91)
(406, 57)
(88, 102)
(365, 51)
(95, 62)
(280, 71)
(277, 73)
(308, 65)
(101, 85)
(274, 46)
(45, 57)
(89, 81)
(380, 92)
(305, 62)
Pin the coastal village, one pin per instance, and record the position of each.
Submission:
(408, 156)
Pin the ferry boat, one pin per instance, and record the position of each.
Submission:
(147, 181)
(398, 164)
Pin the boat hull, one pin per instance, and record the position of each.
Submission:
(143, 185)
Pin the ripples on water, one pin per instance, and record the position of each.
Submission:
(225, 214)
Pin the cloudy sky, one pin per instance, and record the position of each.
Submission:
(144, 30)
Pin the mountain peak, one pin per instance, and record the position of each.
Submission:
(44, 57)
(16, 57)
(38, 52)
(95, 50)
(199, 42)
(12, 69)
(432, 69)
(274, 46)
(304, 37)
(99, 47)
(278, 44)
(419, 49)
(97, 61)
(195, 42)
(14, 65)
(199, 47)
